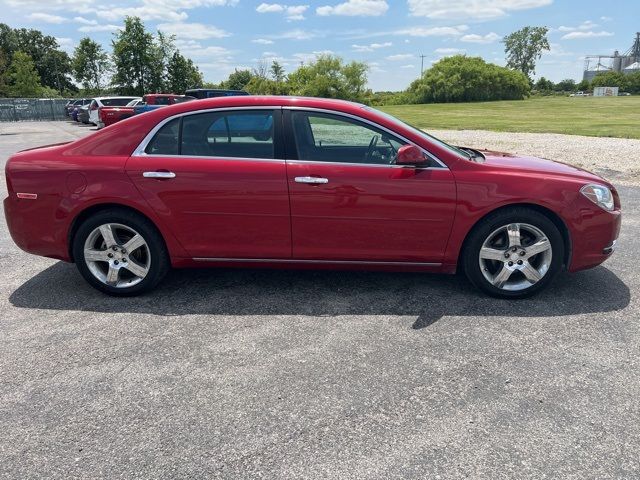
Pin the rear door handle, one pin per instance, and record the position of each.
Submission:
(312, 180)
(159, 175)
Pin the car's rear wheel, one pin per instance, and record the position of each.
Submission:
(514, 253)
(120, 253)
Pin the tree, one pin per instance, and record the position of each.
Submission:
(544, 85)
(52, 64)
(162, 51)
(328, 77)
(583, 86)
(277, 72)
(238, 79)
(567, 85)
(133, 54)
(4, 65)
(467, 79)
(182, 74)
(611, 79)
(90, 64)
(24, 80)
(524, 47)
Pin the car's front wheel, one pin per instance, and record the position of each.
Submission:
(120, 252)
(514, 253)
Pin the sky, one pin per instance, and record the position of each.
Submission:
(389, 35)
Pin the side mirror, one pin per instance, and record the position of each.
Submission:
(410, 155)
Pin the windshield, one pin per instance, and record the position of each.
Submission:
(422, 133)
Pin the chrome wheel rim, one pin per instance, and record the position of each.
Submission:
(515, 257)
(117, 255)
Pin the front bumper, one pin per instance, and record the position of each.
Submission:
(594, 240)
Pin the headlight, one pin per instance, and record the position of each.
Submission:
(598, 194)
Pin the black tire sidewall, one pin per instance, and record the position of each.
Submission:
(480, 233)
(159, 257)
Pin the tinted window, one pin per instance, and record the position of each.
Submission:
(161, 101)
(165, 141)
(245, 134)
(115, 102)
(334, 138)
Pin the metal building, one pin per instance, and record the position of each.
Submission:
(627, 63)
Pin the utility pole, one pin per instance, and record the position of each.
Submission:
(421, 64)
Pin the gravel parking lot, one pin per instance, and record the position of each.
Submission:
(332, 375)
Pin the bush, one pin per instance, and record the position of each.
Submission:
(611, 79)
(467, 79)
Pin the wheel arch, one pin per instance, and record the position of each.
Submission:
(96, 208)
(547, 212)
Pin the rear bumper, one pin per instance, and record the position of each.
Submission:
(29, 231)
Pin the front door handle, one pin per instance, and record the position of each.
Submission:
(312, 180)
(159, 175)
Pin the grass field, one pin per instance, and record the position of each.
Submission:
(599, 117)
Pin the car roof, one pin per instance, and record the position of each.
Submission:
(276, 101)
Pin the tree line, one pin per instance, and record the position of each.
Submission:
(33, 64)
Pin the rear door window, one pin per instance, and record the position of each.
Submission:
(242, 134)
(165, 141)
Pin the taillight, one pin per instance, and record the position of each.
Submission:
(100, 113)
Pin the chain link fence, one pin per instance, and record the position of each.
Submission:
(30, 109)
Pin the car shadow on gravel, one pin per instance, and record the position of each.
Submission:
(428, 297)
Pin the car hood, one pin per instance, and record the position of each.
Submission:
(536, 165)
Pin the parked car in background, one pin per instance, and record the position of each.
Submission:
(580, 94)
(98, 102)
(110, 115)
(201, 93)
(83, 114)
(261, 181)
(152, 101)
(73, 108)
(66, 107)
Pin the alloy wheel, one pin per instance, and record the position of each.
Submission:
(117, 255)
(515, 257)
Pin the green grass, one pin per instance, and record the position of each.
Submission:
(598, 117)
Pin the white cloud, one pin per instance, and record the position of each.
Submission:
(292, 12)
(448, 51)
(46, 18)
(161, 10)
(269, 8)
(400, 56)
(371, 47)
(474, 38)
(587, 25)
(433, 31)
(262, 41)
(145, 12)
(196, 50)
(194, 31)
(408, 66)
(297, 34)
(355, 8)
(606, 19)
(99, 28)
(84, 21)
(590, 34)
(309, 57)
(477, 9)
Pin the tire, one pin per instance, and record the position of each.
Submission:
(501, 266)
(133, 260)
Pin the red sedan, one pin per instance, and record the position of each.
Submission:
(302, 183)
